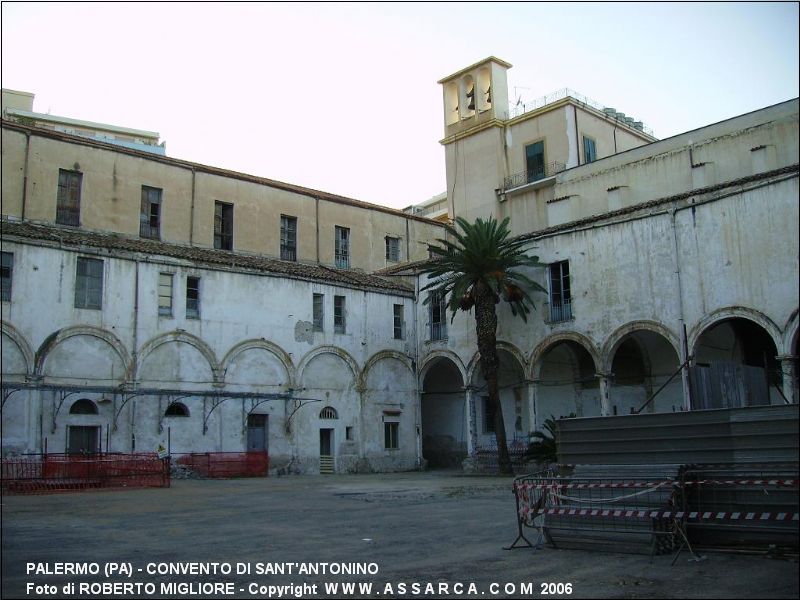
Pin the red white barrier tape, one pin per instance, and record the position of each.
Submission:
(644, 484)
(666, 514)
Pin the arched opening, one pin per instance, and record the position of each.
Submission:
(176, 409)
(328, 413)
(567, 384)
(83, 407)
(444, 418)
(513, 400)
(643, 362)
(735, 365)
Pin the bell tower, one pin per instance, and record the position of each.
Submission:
(475, 95)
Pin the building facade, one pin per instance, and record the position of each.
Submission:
(151, 301)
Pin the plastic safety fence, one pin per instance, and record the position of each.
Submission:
(223, 465)
(744, 505)
(51, 473)
(596, 510)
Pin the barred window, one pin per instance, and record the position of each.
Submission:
(392, 249)
(318, 310)
(288, 238)
(6, 275)
(68, 201)
(339, 314)
(342, 249)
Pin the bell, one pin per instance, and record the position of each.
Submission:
(471, 96)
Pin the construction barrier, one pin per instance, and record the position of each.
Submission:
(676, 506)
(51, 473)
(223, 465)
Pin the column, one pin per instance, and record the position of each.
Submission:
(532, 385)
(605, 386)
(789, 371)
(471, 420)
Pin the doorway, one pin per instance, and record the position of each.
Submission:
(326, 451)
(83, 439)
(257, 433)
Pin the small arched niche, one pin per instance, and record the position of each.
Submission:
(83, 407)
(483, 91)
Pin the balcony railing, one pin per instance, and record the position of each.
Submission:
(342, 261)
(438, 331)
(561, 311)
(288, 253)
(526, 177)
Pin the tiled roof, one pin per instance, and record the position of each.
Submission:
(79, 238)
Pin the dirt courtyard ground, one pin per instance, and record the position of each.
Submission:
(411, 528)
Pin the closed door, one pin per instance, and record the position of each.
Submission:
(83, 440)
(257, 433)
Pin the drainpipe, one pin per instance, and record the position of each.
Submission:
(25, 173)
(191, 216)
(684, 345)
(316, 222)
(577, 139)
(415, 370)
(135, 353)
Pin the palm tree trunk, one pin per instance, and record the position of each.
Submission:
(486, 329)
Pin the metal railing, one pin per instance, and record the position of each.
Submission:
(288, 253)
(530, 176)
(560, 312)
(342, 261)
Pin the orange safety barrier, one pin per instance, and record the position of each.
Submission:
(221, 465)
(50, 473)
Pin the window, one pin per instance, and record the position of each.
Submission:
(488, 416)
(150, 215)
(89, 283)
(438, 316)
(392, 249)
(342, 248)
(223, 226)
(560, 297)
(589, 152)
(288, 238)
(348, 434)
(6, 275)
(398, 321)
(165, 294)
(534, 161)
(176, 409)
(83, 407)
(390, 435)
(318, 309)
(328, 413)
(68, 202)
(338, 314)
(192, 297)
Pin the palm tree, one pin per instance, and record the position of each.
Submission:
(478, 269)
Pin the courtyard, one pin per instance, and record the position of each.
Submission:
(433, 534)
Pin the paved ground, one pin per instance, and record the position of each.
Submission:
(413, 528)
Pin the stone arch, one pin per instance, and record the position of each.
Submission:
(618, 336)
(382, 355)
(430, 358)
(546, 344)
(791, 331)
(508, 347)
(182, 337)
(62, 335)
(641, 358)
(734, 312)
(734, 351)
(261, 344)
(22, 345)
(343, 354)
(443, 409)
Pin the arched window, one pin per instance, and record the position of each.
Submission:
(83, 407)
(176, 409)
(328, 413)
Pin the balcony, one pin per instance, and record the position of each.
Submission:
(532, 176)
(560, 311)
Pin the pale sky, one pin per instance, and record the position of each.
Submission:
(343, 97)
